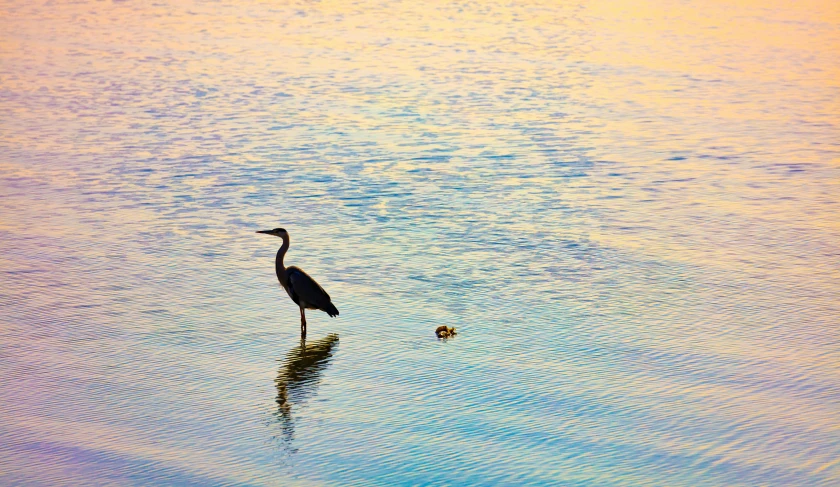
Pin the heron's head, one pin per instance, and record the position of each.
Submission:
(277, 232)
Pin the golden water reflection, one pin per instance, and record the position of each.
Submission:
(647, 191)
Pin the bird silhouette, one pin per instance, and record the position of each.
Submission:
(304, 291)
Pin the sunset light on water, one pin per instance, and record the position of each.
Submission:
(630, 211)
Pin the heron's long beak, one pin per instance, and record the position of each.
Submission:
(264, 231)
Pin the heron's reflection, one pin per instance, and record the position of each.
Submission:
(298, 378)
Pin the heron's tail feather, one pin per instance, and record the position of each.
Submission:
(331, 310)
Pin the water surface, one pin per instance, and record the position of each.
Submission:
(628, 209)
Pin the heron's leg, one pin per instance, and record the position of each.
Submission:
(302, 323)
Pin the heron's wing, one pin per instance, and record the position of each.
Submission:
(306, 289)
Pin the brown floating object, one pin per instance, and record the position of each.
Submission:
(445, 332)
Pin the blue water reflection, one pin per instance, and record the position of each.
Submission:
(627, 209)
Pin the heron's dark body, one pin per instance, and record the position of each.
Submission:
(315, 298)
(302, 288)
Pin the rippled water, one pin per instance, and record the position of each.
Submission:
(628, 209)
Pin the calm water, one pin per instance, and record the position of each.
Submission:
(628, 209)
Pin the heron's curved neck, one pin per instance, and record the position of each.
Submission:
(278, 263)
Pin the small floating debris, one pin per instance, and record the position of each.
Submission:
(445, 332)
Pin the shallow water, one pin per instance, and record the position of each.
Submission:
(628, 209)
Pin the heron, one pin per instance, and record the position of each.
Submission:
(304, 291)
